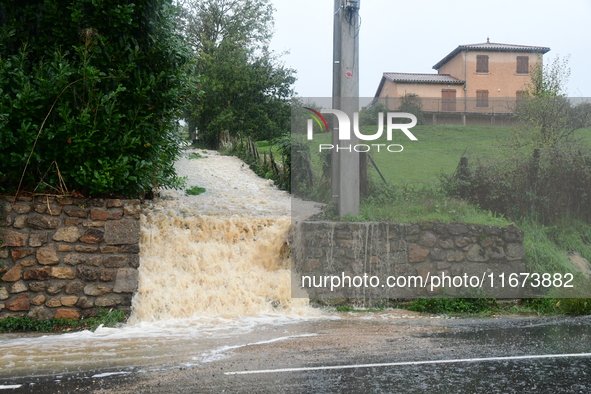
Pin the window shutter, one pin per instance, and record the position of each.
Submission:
(481, 63)
(522, 65)
(482, 98)
(448, 99)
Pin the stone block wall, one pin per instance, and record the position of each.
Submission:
(66, 257)
(321, 249)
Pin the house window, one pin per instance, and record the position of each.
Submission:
(522, 65)
(481, 63)
(482, 98)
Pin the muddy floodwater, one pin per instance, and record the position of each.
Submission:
(214, 275)
(213, 313)
(172, 344)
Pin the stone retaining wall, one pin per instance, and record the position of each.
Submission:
(66, 257)
(321, 249)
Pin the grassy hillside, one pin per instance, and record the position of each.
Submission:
(437, 150)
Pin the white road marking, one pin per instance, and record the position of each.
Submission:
(463, 360)
(104, 375)
(10, 386)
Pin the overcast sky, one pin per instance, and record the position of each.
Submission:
(413, 35)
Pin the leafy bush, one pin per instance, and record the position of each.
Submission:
(412, 103)
(552, 184)
(368, 116)
(90, 94)
(452, 305)
(105, 317)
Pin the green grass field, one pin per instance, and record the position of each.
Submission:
(438, 149)
(413, 194)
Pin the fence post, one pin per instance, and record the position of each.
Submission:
(535, 167)
(463, 175)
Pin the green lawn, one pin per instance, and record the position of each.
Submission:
(438, 149)
(263, 146)
(413, 195)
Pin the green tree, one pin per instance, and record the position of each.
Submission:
(548, 118)
(243, 93)
(90, 94)
(245, 87)
(248, 23)
(548, 81)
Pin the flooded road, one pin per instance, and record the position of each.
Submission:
(214, 300)
(214, 274)
(387, 352)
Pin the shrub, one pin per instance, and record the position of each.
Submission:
(91, 90)
(575, 306)
(368, 116)
(412, 103)
(452, 305)
(105, 317)
(548, 186)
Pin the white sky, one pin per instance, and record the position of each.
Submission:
(413, 35)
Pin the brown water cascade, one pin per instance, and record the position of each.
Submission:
(214, 276)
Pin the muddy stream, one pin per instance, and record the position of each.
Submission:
(214, 278)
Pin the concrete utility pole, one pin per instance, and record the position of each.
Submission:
(345, 161)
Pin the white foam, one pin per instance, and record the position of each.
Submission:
(214, 271)
(223, 253)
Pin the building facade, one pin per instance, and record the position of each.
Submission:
(477, 78)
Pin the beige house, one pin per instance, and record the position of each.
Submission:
(477, 78)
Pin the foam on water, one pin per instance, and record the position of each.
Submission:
(223, 253)
(214, 272)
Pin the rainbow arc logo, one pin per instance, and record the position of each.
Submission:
(317, 116)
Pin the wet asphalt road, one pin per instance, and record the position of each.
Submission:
(373, 343)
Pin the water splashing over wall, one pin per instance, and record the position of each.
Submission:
(214, 276)
(232, 262)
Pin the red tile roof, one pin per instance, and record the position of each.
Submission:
(491, 47)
